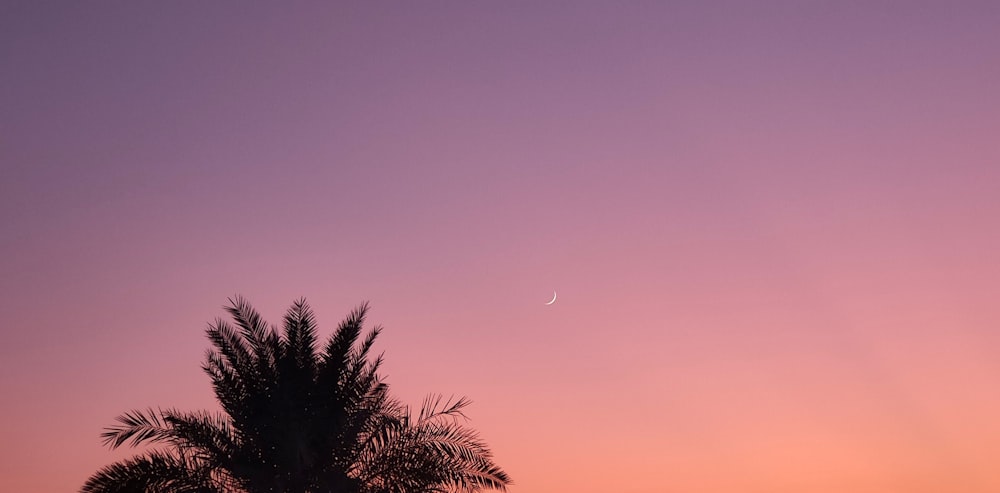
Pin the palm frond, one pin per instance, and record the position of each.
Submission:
(430, 452)
(210, 435)
(338, 349)
(136, 426)
(231, 345)
(154, 472)
(436, 406)
(300, 332)
(252, 326)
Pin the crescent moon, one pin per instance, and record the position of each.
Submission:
(553, 298)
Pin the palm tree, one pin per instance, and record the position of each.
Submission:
(298, 419)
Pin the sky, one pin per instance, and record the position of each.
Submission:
(772, 226)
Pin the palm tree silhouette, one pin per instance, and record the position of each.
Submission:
(298, 419)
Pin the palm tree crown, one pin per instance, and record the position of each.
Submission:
(297, 418)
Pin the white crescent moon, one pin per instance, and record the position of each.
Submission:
(553, 298)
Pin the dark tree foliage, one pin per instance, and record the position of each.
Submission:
(297, 417)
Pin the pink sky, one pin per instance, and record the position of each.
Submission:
(773, 228)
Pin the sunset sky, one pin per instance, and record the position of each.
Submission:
(774, 227)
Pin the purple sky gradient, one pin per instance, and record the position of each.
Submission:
(773, 226)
